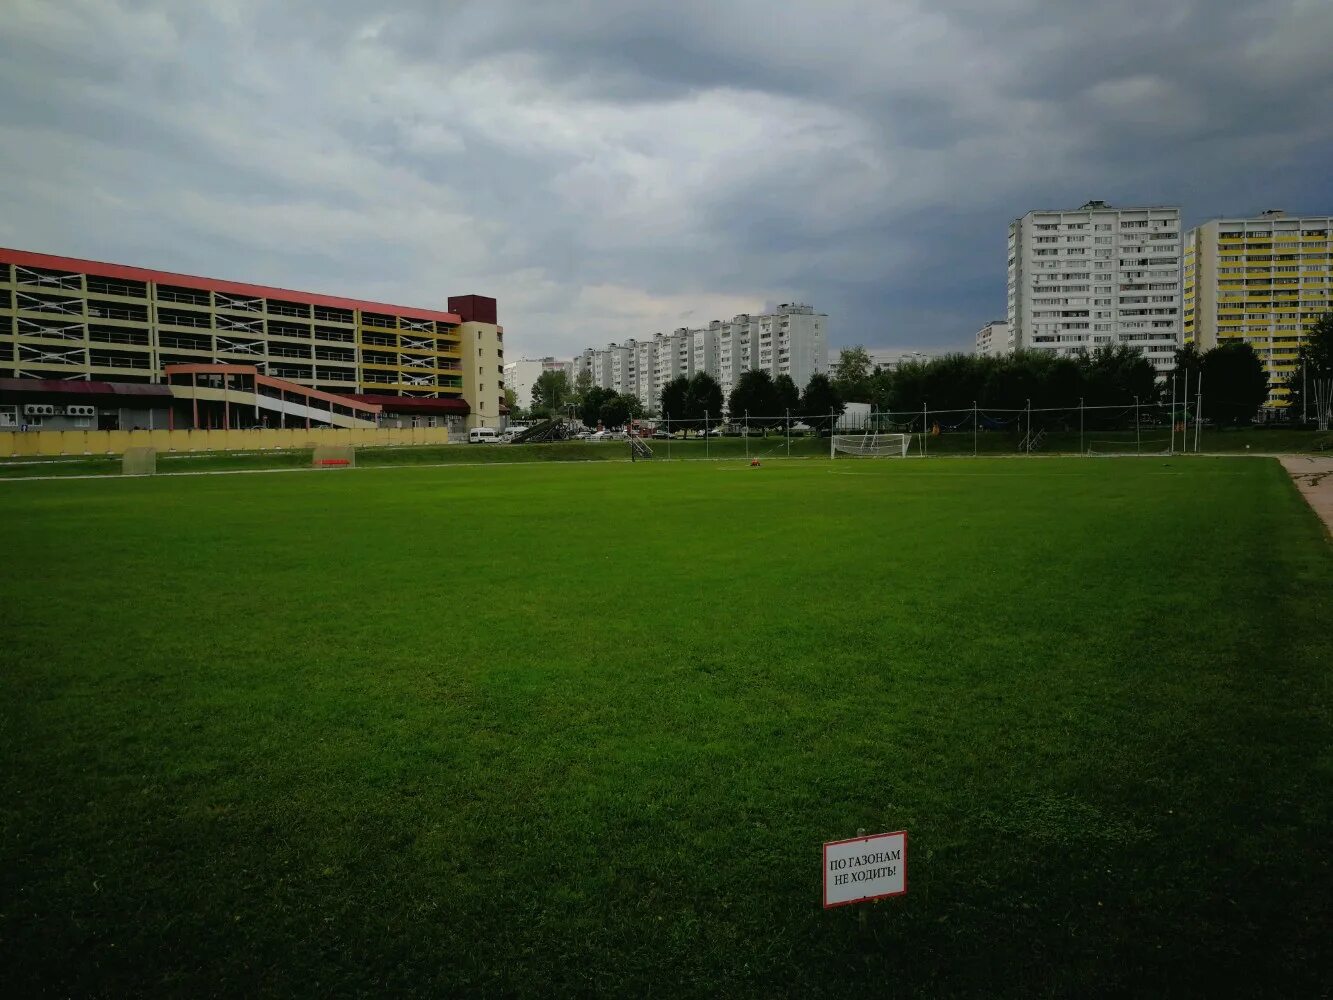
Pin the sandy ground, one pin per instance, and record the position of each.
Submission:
(1314, 478)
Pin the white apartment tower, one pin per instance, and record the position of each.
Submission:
(1095, 276)
(522, 375)
(793, 340)
(994, 338)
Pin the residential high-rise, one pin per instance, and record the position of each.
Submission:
(1094, 276)
(522, 375)
(793, 340)
(993, 338)
(1261, 280)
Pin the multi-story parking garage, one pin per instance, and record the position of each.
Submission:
(64, 320)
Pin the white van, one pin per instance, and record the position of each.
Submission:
(482, 435)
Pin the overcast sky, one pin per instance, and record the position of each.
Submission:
(610, 169)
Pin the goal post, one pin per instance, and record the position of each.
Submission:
(870, 445)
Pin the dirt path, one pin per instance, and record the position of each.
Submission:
(1314, 478)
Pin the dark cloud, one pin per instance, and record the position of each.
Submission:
(609, 168)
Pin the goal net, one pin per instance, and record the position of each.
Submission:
(1129, 447)
(870, 445)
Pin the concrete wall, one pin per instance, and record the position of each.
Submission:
(18, 443)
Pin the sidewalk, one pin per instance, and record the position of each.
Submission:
(1314, 478)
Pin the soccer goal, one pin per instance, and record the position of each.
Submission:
(870, 445)
(1130, 448)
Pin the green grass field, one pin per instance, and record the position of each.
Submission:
(774, 446)
(564, 729)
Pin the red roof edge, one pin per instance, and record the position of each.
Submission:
(414, 404)
(29, 258)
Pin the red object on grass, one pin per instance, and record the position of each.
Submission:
(333, 461)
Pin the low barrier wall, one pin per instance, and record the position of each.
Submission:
(50, 443)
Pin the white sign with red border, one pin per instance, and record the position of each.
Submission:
(865, 868)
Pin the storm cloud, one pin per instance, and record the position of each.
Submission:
(609, 169)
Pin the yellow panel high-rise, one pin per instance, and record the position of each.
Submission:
(1262, 280)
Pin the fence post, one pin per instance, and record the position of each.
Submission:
(706, 434)
(1080, 425)
(1137, 425)
(925, 427)
(789, 433)
(1198, 411)
(1171, 448)
(832, 432)
(747, 434)
(668, 420)
(974, 428)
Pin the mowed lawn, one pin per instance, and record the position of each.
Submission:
(581, 729)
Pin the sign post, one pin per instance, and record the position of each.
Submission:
(865, 868)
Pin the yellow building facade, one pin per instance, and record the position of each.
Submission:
(1262, 281)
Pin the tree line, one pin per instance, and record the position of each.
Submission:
(687, 400)
(1234, 382)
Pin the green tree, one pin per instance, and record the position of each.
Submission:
(590, 411)
(1235, 384)
(851, 375)
(1313, 364)
(673, 397)
(754, 395)
(704, 398)
(582, 383)
(820, 401)
(1115, 375)
(634, 405)
(614, 410)
(1185, 368)
(788, 396)
(511, 403)
(551, 393)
